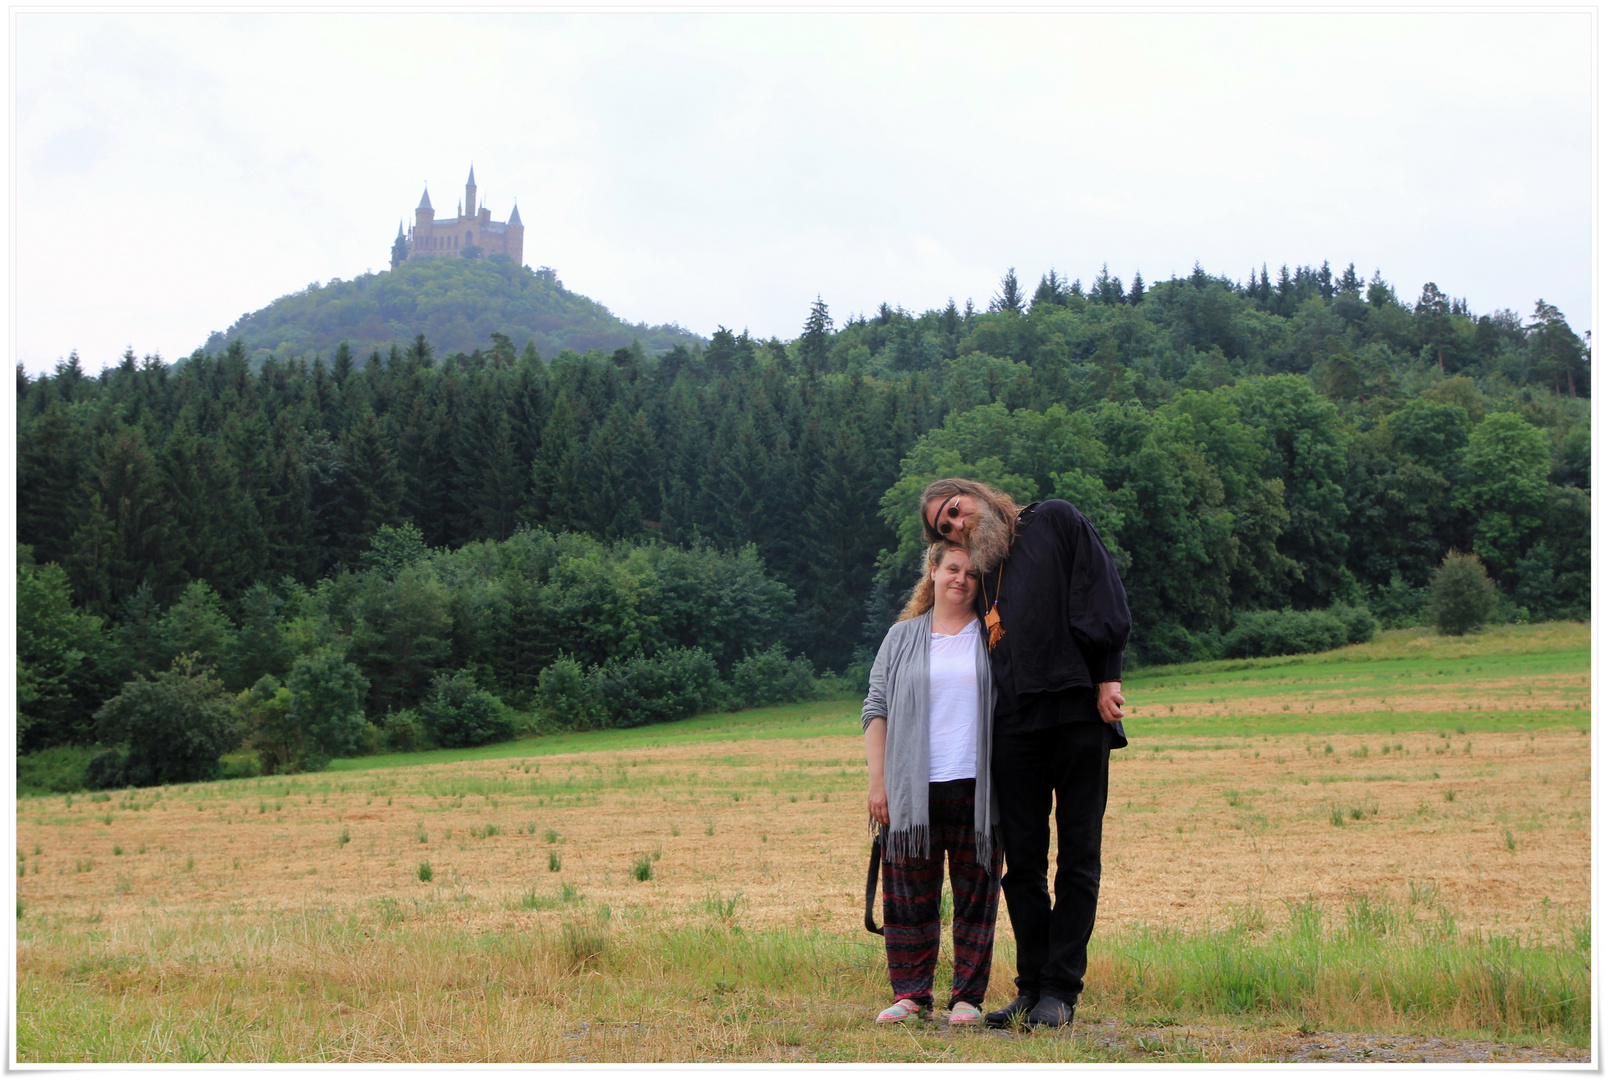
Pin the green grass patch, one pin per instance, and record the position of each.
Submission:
(815, 718)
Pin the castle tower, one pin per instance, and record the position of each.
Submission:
(399, 246)
(469, 195)
(424, 216)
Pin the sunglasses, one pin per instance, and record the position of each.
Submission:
(943, 527)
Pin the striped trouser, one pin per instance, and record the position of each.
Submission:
(910, 889)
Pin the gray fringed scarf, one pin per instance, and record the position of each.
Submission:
(899, 692)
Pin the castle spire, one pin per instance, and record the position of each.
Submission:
(513, 219)
(471, 176)
(400, 235)
(469, 194)
(424, 202)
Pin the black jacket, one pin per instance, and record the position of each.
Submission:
(1062, 605)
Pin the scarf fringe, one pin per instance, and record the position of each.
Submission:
(916, 841)
(913, 841)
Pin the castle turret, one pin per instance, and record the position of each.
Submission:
(516, 237)
(425, 214)
(469, 194)
(399, 246)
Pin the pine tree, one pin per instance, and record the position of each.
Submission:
(1009, 297)
(1051, 290)
(1136, 291)
(1107, 289)
(341, 367)
(1433, 313)
(123, 539)
(69, 377)
(372, 483)
(812, 346)
(50, 471)
(492, 475)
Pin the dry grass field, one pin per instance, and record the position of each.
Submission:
(652, 898)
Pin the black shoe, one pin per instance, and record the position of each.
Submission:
(1013, 1013)
(1050, 1012)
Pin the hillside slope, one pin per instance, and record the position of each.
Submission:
(455, 303)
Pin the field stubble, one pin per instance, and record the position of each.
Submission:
(705, 893)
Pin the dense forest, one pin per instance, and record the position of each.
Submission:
(455, 303)
(1306, 441)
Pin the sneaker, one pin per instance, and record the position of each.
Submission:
(900, 1011)
(965, 1014)
(1011, 1014)
(1050, 1012)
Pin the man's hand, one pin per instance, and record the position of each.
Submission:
(1109, 701)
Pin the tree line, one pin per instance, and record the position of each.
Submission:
(1299, 441)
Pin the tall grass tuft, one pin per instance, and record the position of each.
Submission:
(585, 942)
(1383, 968)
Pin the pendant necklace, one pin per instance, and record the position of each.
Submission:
(995, 629)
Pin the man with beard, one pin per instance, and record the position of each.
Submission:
(1057, 618)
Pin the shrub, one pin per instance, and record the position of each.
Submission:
(403, 732)
(770, 678)
(564, 695)
(264, 714)
(1282, 633)
(1170, 643)
(56, 770)
(326, 704)
(458, 713)
(240, 766)
(1461, 594)
(1398, 604)
(1360, 624)
(176, 726)
(672, 685)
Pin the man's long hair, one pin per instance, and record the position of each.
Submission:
(1003, 505)
(923, 596)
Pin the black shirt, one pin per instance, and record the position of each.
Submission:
(1065, 615)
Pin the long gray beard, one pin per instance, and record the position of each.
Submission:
(987, 540)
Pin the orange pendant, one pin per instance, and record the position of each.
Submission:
(995, 629)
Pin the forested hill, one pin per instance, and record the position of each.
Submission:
(1306, 441)
(457, 304)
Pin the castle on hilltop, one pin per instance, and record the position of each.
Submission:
(472, 233)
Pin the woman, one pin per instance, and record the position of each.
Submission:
(927, 722)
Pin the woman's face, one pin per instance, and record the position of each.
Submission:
(954, 581)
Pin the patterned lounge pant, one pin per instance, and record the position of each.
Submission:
(910, 891)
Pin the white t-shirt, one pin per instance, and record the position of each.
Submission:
(952, 695)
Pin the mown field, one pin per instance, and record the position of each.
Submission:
(1369, 848)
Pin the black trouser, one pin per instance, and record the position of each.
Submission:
(1070, 761)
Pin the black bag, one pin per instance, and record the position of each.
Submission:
(871, 883)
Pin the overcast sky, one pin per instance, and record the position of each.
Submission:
(174, 171)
